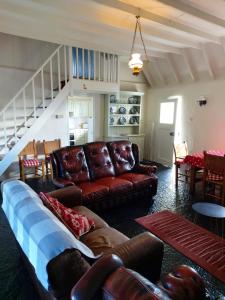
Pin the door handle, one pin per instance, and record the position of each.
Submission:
(171, 133)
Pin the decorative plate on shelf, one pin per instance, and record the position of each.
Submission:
(133, 110)
(122, 110)
(111, 121)
(122, 121)
(113, 99)
(133, 100)
(133, 120)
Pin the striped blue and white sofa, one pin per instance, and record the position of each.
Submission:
(55, 258)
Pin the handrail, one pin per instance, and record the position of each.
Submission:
(30, 80)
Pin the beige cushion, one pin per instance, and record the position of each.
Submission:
(104, 239)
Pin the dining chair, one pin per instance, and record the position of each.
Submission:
(214, 176)
(181, 171)
(49, 147)
(28, 159)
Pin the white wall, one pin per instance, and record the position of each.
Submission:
(19, 59)
(203, 127)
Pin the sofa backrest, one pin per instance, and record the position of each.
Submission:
(40, 234)
(71, 163)
(99, 160)
(122, 156)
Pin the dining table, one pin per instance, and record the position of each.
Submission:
(196, 163)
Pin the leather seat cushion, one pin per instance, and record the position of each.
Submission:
(139, 180)
(92, 191)
(115, 184)
(99, 222)
(103, 240)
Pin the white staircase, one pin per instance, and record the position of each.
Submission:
(35, 102)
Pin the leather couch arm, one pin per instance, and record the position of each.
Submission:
(69, 196)
(61, 182)
(145, 169)
(92, 281)
(143, 253)
(183, 283)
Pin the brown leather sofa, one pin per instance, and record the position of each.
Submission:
(143, 253)
(106, 173)
(108, 279)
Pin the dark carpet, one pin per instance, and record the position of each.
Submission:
(15, 282)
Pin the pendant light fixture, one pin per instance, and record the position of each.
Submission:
(135, 62)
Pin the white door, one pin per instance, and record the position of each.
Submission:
(165, 132)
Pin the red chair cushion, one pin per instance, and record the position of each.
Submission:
(93, 191)
(115, 184)
(139, 180)
(31, 162)
(77, 223)
(214, 177)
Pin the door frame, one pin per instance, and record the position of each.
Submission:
(158, 125)
(82, 97)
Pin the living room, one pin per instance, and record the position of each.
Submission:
(79, 61)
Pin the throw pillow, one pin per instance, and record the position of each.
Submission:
(78, 224)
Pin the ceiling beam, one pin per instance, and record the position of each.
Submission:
(188, 64)
(157, 70)
(194, 11)
(97, 31)
(173, 68)
(158, 19)
(208, 62)
(147, 75)
(223, 44)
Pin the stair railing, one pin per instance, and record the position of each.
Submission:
(22, 101)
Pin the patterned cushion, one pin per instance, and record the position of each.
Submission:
(214, 177)
(77, 224)
(31, 162)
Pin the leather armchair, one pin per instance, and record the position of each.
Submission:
(108, 279)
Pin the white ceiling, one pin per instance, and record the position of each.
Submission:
(185, 39)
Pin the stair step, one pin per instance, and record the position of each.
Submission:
(41, 107)
(50, 98)
(10, 136)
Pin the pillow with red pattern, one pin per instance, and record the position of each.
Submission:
(78, 224)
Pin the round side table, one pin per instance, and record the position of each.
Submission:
(210, 210)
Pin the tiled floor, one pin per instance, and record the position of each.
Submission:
(15, 283)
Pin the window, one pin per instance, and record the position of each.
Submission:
(167, 113)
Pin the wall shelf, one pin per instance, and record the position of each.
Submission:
(132, 121)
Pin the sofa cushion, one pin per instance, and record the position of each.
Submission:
(93, 191)
(77, 223)
(103, 240)
(139, 180)
(116, 185)
(99, 161)
(122, 156)
(99, 222)
(72, 163)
